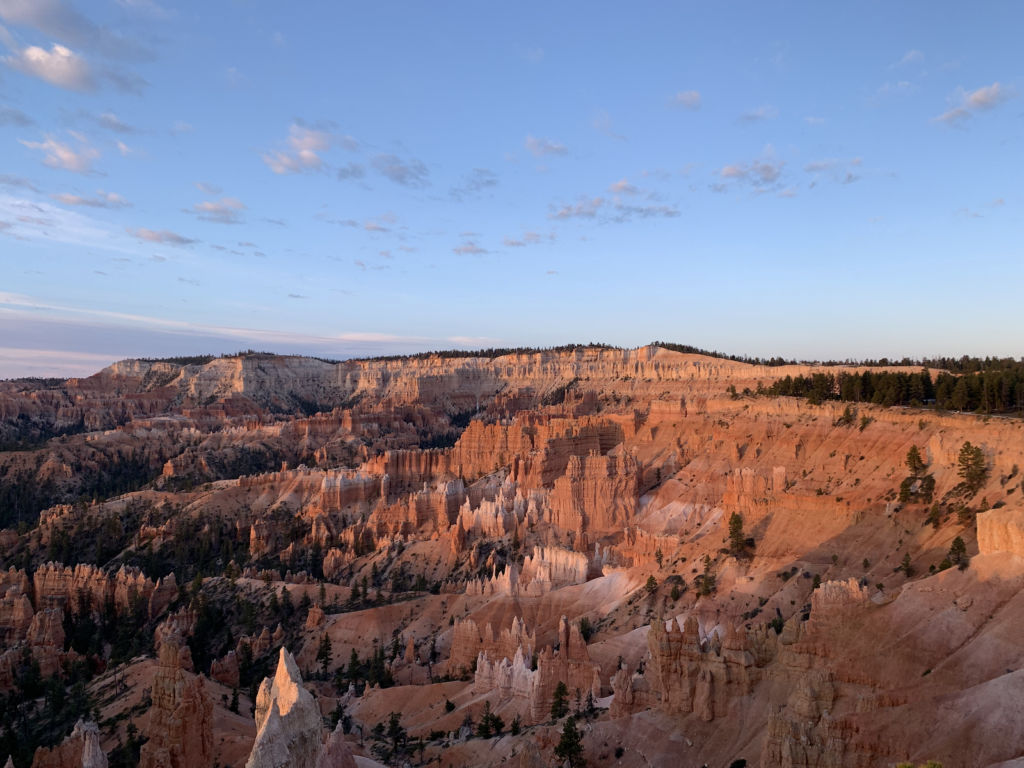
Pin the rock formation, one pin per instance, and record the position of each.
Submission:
(288, 725)
(79, 750)
(181, 723)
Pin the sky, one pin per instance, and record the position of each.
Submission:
(811, 180)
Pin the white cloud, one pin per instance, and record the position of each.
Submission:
(541, 147)
(304, 146)
(58, 155)
(124, 149)
(164, 236)
(686, 100)
(102, 199)
(59, 66)
(970, 102)
(815, 120)
(180, 126)
(208, 189)
(766, 112)
(227, 210)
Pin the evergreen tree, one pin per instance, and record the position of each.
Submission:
(323, 653)
(570, 746)
(322, 596)
(652, 585)
(234, 701)
(972, 467)
(958, 553)
(905, 565)
(737, 541)
(914, 462)
(560, 701)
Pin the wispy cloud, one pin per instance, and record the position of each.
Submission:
(624, 213)
(540, 147)
(112, 122)
(179, 127)
(227, 210)
(528, 238)
(685, 100)
(110, 200)
(603, 123)
(412, 173)
(207, 188)
(14, 117)
(763, 172)
(469, 248)
(910, 57)
(234, 78)
(163, 236)
(305, 143)
(350, 171)
(969, 103)
(766, 112)
(898, 88)
(623, 187)
(58, 155)
(585, 209)
(474, 183)
(842, 171)
(815, 120)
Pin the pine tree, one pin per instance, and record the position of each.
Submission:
(972, 467)
(958, 552)
(322, 596)
(905, 565)
(914, 462)
(737, 541)
(570, 746)
(234, 701)
(560, 701)
(323, 653)
(652, 585)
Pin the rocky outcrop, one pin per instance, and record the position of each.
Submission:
(58, 587)
(79, 750)
(533, 690)
(803, 734)
(15, 615)
(225, 671)
(288, 725)
(181, 721)
(597, 493)
(1001, 530)
(695, 675)
(468, 642)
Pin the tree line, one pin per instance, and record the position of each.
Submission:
(995, 390)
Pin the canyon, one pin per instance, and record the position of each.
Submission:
(280, 561)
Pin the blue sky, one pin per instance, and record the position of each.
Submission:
(810, 180)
